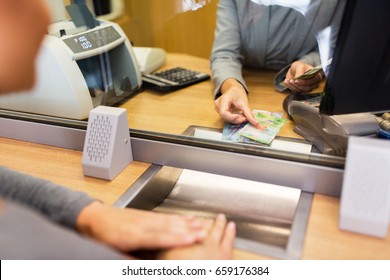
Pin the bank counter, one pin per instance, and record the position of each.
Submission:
(193, 106)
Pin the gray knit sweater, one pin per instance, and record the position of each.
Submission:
(37, 221)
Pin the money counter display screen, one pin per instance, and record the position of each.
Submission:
(92, 40)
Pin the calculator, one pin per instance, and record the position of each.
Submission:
(173, 79)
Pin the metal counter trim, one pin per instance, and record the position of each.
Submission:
(310, 178)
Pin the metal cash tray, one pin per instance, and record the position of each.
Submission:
(271, 220)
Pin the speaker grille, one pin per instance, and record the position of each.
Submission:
(99, 139)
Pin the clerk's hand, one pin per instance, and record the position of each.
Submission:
(232, 105)
(130, 229)
(298, 85)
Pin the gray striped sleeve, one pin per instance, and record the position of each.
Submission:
(58, 203)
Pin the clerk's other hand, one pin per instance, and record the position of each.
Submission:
(232, 105)
(130, 229)
(299, 85)
(218, 245)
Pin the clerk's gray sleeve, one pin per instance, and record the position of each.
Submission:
(27, 235)
(312, 58)
(251, 35)
(225, 60)
(58, 203)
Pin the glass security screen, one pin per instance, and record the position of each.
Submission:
(359, 77)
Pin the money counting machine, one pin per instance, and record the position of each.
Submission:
(79, 68)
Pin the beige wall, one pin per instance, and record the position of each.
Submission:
(164, 24)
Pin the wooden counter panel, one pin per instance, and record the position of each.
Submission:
(175, 111)
(324, 240)
(63, 167)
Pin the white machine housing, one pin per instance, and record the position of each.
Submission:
(79, 71)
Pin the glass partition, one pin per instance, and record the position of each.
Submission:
(185, 30)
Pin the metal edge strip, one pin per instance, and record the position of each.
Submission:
(47, 134)
(307, 177)
(297, 237)
(132, 192)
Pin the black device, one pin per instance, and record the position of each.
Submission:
(358, 82)
(173, 79)
(359, 77)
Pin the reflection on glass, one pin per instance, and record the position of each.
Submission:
(193, 5)
(301, 6)
(109, 85)
(185, 29)
(323, 16)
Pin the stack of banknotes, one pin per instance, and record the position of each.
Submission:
(269, 126)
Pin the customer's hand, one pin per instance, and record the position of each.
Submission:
(130, 229)
(299, 85)
(232, 105)
(218, 245)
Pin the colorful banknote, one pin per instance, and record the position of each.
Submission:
(310, 73)
(270, 124)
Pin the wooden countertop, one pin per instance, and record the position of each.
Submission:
(192, 106)
(174, 112)
(323, 239)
